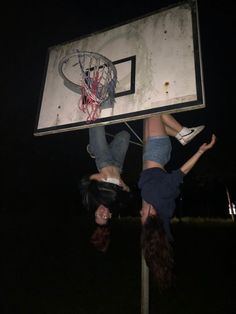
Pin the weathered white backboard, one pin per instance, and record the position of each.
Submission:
(158, 63)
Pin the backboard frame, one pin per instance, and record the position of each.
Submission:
(198, 103)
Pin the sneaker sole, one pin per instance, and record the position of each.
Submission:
(88, 151)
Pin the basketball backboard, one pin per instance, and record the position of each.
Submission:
(158, 62)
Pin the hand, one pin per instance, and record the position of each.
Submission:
(193, 160)
(124, 186)
(204, 147)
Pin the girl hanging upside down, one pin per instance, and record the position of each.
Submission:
(159, 190)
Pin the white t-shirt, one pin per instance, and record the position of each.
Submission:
(112, 180)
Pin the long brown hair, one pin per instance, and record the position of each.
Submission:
(158, 252)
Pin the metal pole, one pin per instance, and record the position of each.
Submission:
(140, 140)
(144, 277)
(144, 287)
(231, 209)
(132, 142)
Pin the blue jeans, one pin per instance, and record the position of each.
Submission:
(112, 154)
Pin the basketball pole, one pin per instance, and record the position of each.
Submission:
(144, 286)
(231, 211)
(144, 274)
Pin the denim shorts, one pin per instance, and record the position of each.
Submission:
(158, 149)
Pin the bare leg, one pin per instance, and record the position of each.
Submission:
(170, 131)
(172, 126)
(183, 134)
(154, 126)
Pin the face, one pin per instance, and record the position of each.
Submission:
(146, 211)
(102, 215)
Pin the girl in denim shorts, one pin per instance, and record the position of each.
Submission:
(159, 190)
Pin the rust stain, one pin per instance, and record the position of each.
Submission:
(166, 86)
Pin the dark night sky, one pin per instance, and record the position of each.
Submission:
(43, 171)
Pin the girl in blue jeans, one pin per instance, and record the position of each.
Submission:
(105, 189)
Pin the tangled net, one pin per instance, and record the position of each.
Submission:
(99, 77)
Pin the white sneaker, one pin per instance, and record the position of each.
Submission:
(185, 139)
(89, 152)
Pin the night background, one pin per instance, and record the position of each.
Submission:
(41, 214)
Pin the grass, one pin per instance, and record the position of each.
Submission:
(48, 267)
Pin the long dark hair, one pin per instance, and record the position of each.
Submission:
(158, 252)
(94, 193)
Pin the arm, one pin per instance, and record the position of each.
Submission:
(193, 160)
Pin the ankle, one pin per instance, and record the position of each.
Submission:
(182, 133)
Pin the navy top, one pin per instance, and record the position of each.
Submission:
(160, 189)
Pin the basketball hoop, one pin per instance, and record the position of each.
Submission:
(94, 79)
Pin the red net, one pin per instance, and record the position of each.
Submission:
(94, 77)
(98, 83)
(88, 102)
